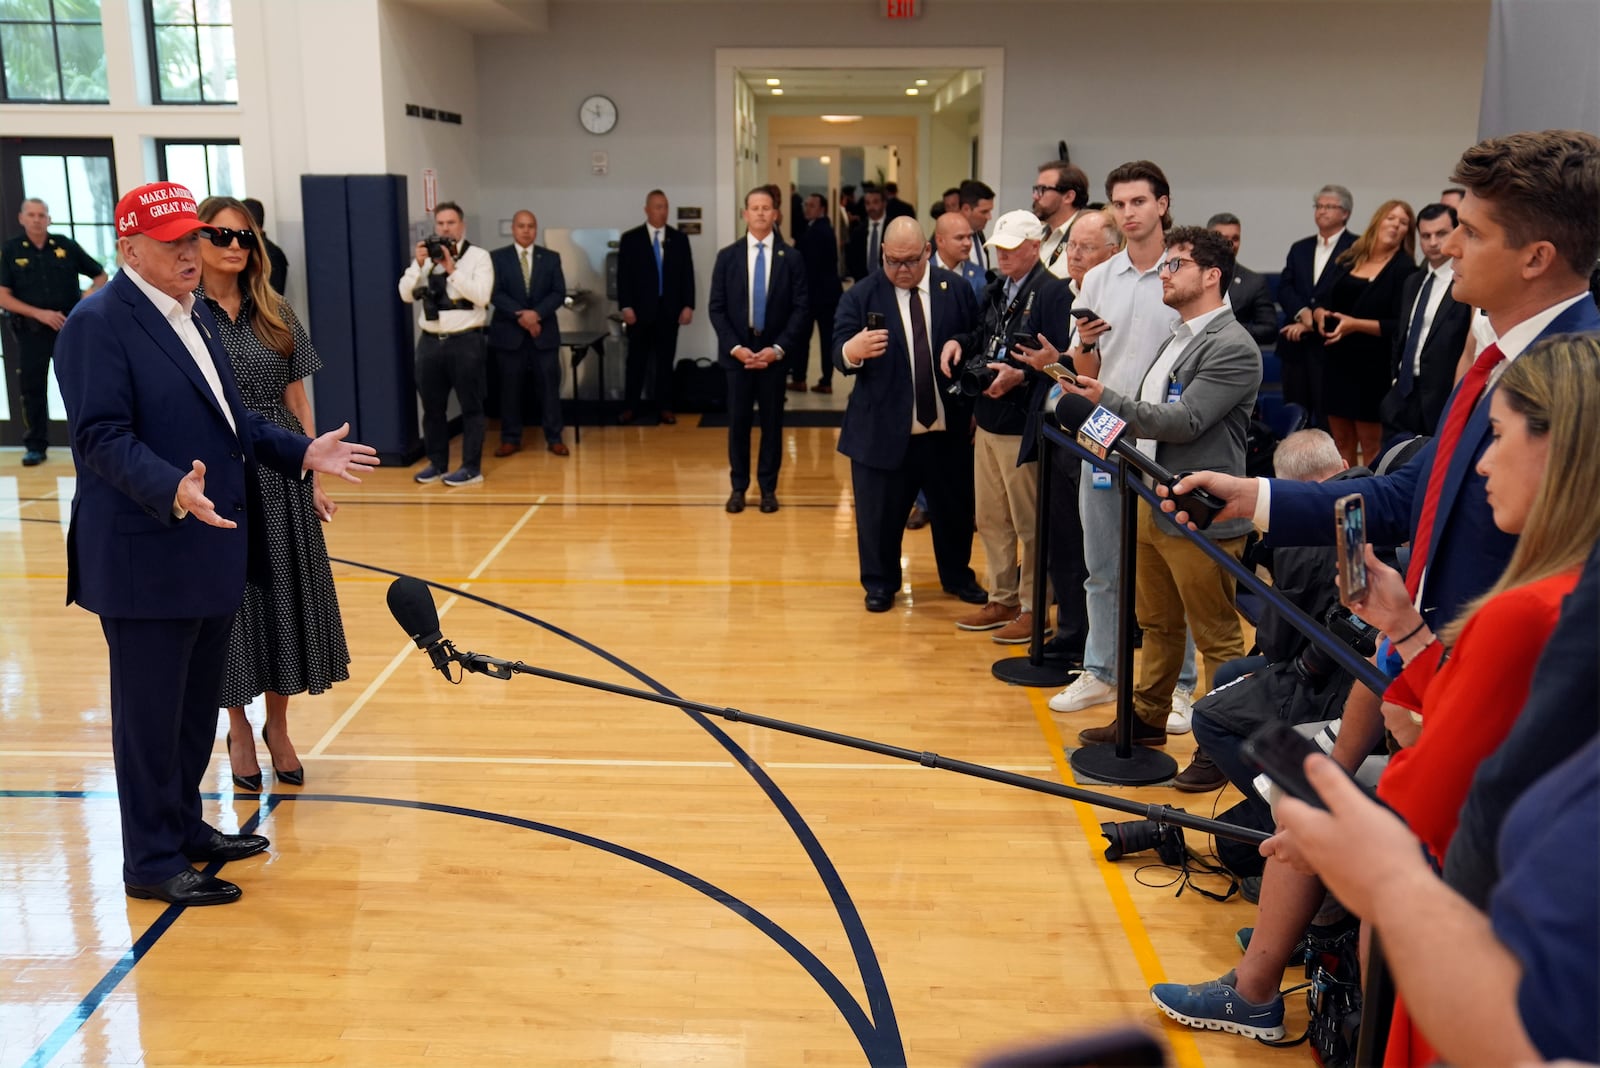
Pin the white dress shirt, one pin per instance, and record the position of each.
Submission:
(180, 315)
(1442, 276)
(1322, 254)
(902, 300)
(1130, 300)
(1153, 390)
(473, 280)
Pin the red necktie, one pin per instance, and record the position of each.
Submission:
(1466, 400)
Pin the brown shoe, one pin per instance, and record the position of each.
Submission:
(991, 616)
(668, 418)
(507, 448)
(559, 449)
(1201, 776)
(796, 387)
(1143, 734)
(822, 387)
(1018, 632)
(917, 519)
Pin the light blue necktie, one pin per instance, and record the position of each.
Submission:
(758, 289)
(661, 284)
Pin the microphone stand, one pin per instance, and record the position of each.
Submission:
(478, 664)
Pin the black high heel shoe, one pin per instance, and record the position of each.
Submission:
(243, 782)
(297, 777)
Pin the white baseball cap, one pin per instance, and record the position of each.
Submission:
(1015, 227)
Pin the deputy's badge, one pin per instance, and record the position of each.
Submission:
(22, 261)
(61, 253)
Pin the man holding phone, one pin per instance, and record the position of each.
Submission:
(903, 430)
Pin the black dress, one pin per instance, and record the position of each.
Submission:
(287, 637)
(1358, 370)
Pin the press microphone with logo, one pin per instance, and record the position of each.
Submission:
(1101, 431)
(411, 604)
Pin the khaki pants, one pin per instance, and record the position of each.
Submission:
(1176, 582)
(1007, 499)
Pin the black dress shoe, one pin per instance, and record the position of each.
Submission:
(769, 502)
(735, 503)
(228, 847)
(972, 593)
(880, 602)
(188, 887)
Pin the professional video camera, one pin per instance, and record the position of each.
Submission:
(1313, 665)
(974, 375)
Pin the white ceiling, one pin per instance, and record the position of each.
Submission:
(876, 85)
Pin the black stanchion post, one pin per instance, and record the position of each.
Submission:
(1035, 670)
(1124, 763)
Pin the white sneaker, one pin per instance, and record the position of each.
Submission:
(1085, 692)
(1178, 720)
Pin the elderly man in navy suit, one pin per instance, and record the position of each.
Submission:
(760, 313)
(164, 528)
(904, 430)
(1301, 288)
(1528, 236)
(528, 291)
(655, 296)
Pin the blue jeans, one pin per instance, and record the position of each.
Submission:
(1101, 512)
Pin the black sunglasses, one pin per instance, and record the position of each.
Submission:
(222, 237)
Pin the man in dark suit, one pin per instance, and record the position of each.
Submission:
(164, 528)
(1248, 294)
(865, 249)
(1301, 288)
(1532, 283)
(528, 289)
(655, 290)
(903, 430)
(276, 260)
(893, 206)
(760, 313)
(821, 251)
(1427, 351)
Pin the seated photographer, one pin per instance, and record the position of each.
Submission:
(1005, 491)
(1515, 984)
(451, 283)
(1469, 682)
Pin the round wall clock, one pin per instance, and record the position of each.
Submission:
(598, 114)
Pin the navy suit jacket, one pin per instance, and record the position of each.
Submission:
(1295, 288)
(788, 318)
(821, 251)
(139, 412)
(546, 289)
(636, 274)
(1467, 552)
(1441, 351)
(877, 419)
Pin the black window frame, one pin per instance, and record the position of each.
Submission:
(163, 143)
(155, 62)
(55, 41)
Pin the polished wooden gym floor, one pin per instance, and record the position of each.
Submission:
(533, 873)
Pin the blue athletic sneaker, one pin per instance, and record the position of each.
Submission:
(463, 476)
(427, 474)
(1217, 1006)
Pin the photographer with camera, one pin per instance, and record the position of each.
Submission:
(451, 283)
(1006, 492)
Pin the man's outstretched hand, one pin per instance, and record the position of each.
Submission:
(191, 497)
(1240, 493)
(332, 455)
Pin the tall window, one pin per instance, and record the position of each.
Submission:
(191, 51)
(52, 51)
(207, 168)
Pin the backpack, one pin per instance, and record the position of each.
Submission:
(699, 386)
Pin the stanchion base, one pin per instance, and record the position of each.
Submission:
(1141, 768)
(1020, 671)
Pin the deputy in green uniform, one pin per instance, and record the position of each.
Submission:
(39, 286)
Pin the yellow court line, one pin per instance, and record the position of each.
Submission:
(1184, 1048)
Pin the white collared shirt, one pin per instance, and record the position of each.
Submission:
(1130, 300)
(1323, 253)
(750, 243)
(473, 280)
(1157, 380)
(902, 300)
(1442, 276)
(179, 314)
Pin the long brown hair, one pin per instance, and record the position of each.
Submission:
(266, 304)
(1361, 250)
(1555, 386)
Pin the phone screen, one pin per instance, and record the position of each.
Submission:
(1279, 752)
(1350, 523)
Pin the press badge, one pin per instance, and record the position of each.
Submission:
(1174, 392)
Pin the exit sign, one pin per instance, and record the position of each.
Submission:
(900, 9)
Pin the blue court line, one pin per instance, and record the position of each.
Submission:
(57, 1039)
(872, 1044)
(882, 1042)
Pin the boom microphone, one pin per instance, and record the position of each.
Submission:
(412, 607)
(1102, 431)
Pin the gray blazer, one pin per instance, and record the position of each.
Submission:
(1204, 429)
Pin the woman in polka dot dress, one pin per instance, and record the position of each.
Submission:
(287, 636)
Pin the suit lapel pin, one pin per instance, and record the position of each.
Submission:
(944, 285)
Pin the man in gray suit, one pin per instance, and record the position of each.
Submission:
(1248, 294)
(1191, 413)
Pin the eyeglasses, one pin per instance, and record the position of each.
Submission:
(892, 264)
(1174, 264)
(222, 237)
(1335, 206)
(1074, 246)
(1041, 190)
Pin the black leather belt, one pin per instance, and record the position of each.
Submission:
(454, 333)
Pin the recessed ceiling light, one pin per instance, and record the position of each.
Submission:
(912, 92)
(774, 81)
(840, 118)
(824, 160)
(777, 92)
(922, 81)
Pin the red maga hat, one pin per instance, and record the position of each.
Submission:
(163, 210)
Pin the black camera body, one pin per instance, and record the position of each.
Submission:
(974, 375)
(1314, 666)
(1136, 836)
(430, 293)
(437, 245)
